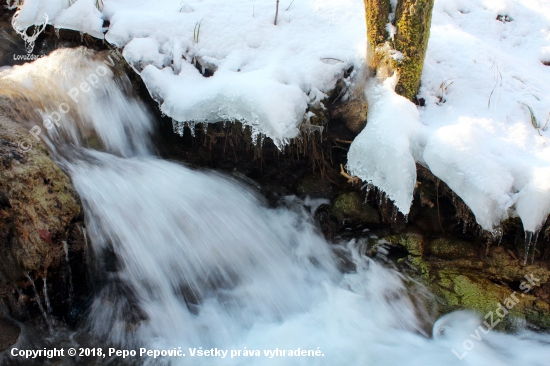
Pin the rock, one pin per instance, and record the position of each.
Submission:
(38, 209)
(452, 249)
(328, 226)
(351, 208)
(460, 278)
(353, 113)
(412, 241)
(42, 202)
(9, 333)
(463, 290)
(313, 186)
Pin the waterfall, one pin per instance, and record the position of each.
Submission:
(193, 259)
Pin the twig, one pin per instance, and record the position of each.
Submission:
(186, 5)
(331, 58)
(276, 13)
(290, 5)
(343, 141)
(353, 180)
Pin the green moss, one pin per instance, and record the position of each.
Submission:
(413, 242)
(350, 207)
(413, 20)
(376, 13)
(41, 198)
(452, 249)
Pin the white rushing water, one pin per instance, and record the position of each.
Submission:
(194, 259)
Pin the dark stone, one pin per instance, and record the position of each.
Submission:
(9, 333)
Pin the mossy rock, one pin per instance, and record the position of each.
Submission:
(40, 202)
(352, 209)
(461, 291)
(502, 265)
(452, 249)
(413, 241)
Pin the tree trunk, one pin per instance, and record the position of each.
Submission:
(377, 13)
(412, 20)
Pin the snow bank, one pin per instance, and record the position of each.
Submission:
(483, 141)
(487, 103)
(79, 15)
(264, 75)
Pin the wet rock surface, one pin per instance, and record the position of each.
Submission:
(9, 333)
(40, 230)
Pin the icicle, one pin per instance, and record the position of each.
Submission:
(497, 234)
(39, 303)
(57, 32)
(191, 126)
(71, 290)
(178, 127)
(528, 237)
(535, 246)
(81, 36)
(406, 218)
(205, 127)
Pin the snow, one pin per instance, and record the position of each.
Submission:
(483, 78)
(486, 89)
(80, 15)
(481, 139)
(382, 153)
(264, 75)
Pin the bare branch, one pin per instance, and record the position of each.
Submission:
(276, 13)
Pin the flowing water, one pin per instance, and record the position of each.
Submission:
(195, 259)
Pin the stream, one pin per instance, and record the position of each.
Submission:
(196, 261)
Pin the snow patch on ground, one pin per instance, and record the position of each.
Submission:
(485, 84)
(264, 75)
(79, 15)
(487, 106)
